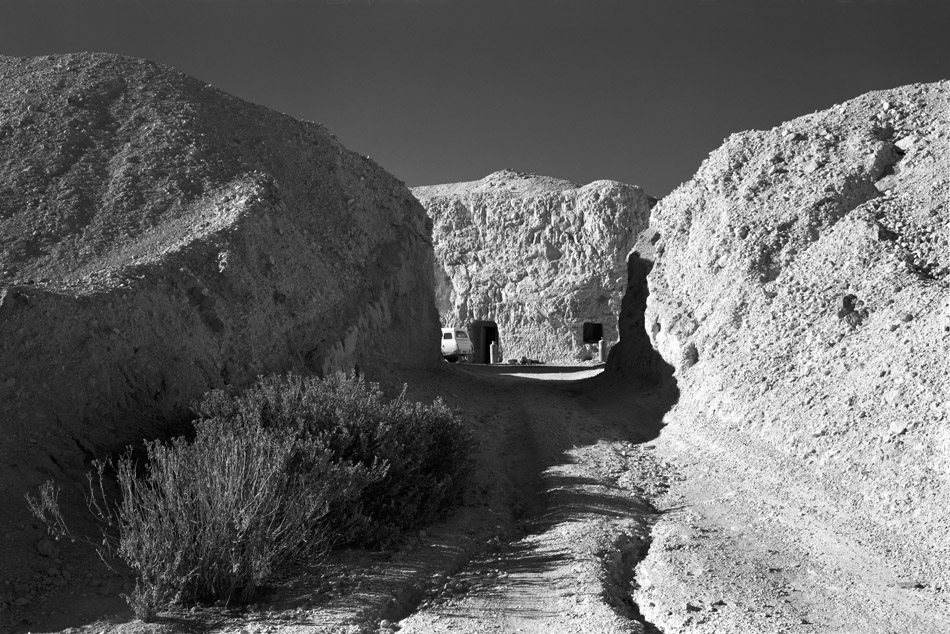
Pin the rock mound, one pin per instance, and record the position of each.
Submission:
(800, 288)
(159, 237)
(538, 256)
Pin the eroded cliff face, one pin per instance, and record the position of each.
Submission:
(800, 289)
(536, 255)
(159, 238)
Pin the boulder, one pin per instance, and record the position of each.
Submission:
(538, 256)
(159, 238)
(800, 290)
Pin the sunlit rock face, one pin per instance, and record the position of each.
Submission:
(799, 287)
(538, 256)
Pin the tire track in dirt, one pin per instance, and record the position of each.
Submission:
(556, 519)
(582, 527)
(751, 544)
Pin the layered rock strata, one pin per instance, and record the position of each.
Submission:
(538, 256)
(800, 289)
(159, 238)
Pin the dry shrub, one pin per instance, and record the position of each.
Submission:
(425, 449)
(287, 468)
(213, 518)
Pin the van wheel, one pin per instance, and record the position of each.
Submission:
(452, 358)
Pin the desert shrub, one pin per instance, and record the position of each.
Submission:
(213, 518)
(428, 452)
(424, 449)
(286, 468)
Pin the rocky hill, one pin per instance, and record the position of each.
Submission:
(159, 238)
(800, 289)
(538, 256)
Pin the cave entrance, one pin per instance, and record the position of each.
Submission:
(483, 334)
(593, 332)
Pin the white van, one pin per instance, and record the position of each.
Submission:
(455, 344)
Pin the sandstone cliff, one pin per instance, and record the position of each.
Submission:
(159, 238)
(800, 289)
(538, 256)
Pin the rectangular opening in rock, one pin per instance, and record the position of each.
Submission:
(593, 332)
(483, 334)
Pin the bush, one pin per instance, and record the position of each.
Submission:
(214, 517)
(289, 467)
(425, 449)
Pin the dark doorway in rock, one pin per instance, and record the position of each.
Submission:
(593, 332)
(483, 334)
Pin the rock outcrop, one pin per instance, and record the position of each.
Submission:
(159, 238)
(800, 289)
(538, 256)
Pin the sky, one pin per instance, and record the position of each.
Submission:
(440, 91)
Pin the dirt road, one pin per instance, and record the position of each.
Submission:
(687, 528)
(575, 467)
(587, 515)
(557, 518)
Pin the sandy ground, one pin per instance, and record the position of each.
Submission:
(585, 515)
(745, 545)
(582, 521)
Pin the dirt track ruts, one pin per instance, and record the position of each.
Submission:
(587, 515)
(583, 522)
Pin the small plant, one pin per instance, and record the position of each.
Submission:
(45, 507)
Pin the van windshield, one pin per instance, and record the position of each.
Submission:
(460, 335)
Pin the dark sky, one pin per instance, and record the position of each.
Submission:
(449, 90)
